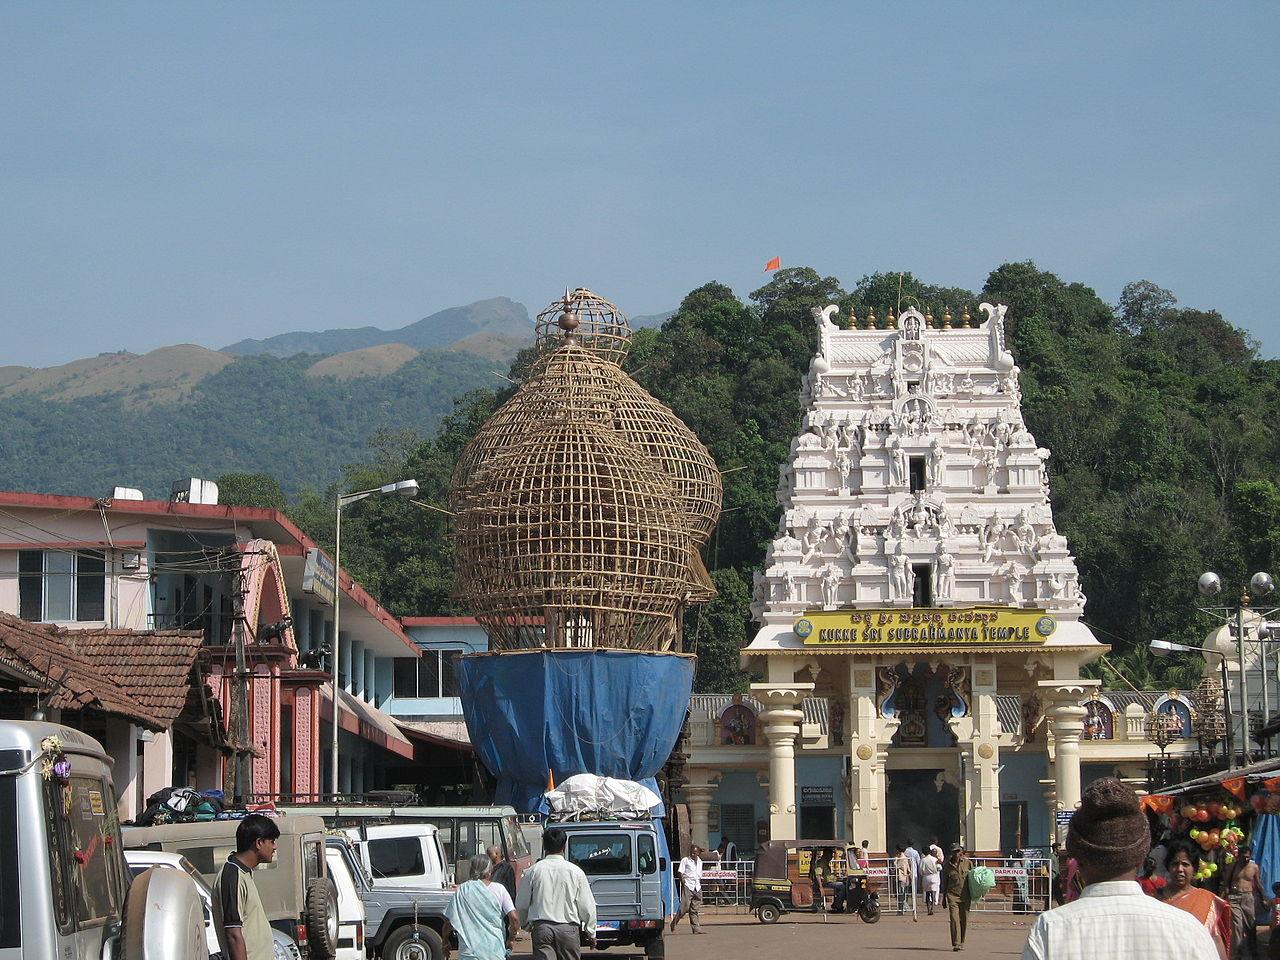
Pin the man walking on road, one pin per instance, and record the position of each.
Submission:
(555, 903)
(242, 923)
(904, 876)
(690, 872)
(958, 900)
(914, 856)
(1109, 839)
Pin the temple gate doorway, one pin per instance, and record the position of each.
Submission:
(921, 805)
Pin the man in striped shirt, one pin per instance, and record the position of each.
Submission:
(243, 930)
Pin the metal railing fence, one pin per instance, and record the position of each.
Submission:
(1023, 886)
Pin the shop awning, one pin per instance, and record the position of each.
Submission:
(441, 733)
(366, 722)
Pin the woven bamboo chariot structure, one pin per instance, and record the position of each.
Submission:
(582, 502)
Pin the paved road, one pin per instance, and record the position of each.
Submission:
(796, 937)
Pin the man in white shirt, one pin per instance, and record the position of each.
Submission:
(555, 902)
(690, 872)
(1113, 918)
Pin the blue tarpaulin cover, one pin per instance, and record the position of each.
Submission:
(613, 713)
(608, 712)
(1265, 845)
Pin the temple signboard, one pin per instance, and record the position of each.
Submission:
(961, 626)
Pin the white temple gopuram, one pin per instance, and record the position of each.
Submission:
(919, 612)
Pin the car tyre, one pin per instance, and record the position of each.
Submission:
(768, 913)
(656, 949)
(413, 942)
(322, 919)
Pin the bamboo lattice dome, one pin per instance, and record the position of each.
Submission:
(581, 503)
(597, 324)
(572, 538)
(574, 381)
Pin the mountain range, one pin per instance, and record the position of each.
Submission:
(297, 405)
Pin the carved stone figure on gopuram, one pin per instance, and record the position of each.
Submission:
(917, 579)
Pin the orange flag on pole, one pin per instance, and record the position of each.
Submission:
(774, 264)
(551, 780)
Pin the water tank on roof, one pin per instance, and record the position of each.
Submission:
(126, 493)
(194, 490)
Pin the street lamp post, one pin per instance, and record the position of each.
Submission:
(403, 488)
(1260, 585)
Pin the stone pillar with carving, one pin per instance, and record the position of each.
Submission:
(781, 719)
(984, 780)
(867, 743)
(1050, 790)
(1067, 717)
(698, 792)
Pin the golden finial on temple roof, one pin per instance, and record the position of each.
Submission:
(928, 318)
(891, 321)
(853, 318)
(964, 320)
(946, 318)
(871, 318)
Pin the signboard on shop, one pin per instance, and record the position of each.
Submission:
(817, 796)
(319, 578)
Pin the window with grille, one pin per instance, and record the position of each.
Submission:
(430, 675)
(57, 586)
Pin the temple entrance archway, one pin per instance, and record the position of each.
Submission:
(921, 805)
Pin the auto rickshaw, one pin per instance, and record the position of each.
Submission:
(789, 875)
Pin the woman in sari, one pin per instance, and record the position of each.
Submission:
(482, 915)
(1213, 912)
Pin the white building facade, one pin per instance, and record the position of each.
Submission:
(920, 633)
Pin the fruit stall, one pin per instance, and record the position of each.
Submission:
(1220, 814)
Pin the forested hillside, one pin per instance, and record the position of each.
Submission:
(256, 414)
(1159, 419)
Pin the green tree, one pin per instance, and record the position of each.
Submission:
(250, 490)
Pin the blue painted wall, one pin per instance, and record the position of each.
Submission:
(466, 637)
(1020, 780)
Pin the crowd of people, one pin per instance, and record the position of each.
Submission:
(1116, 896)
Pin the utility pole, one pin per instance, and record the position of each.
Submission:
(1244, 678)
(240, 696)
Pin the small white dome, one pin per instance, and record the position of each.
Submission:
(1221, 641)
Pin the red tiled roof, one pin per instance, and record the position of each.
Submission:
(141, 675)
(152, 666)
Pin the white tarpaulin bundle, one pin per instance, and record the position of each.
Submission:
(586, 792)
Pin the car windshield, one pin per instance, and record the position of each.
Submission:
(601, 853)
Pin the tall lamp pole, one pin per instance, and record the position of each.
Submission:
(403, 488)
(1260, 585)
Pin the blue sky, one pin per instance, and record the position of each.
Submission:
(206, 172)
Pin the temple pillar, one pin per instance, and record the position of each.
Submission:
(1050, 790)
(698, 792)
(781, 719)
(983, 778)
(1067, 717)
(867, 754)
